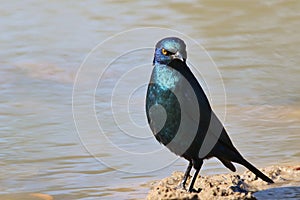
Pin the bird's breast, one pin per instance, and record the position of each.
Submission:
(162, 106)
(166, 77)
(172, 109)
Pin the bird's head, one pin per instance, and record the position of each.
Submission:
(168, 49)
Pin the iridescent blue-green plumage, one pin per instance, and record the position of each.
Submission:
(157, 96)
(163, 80)
(179, 113)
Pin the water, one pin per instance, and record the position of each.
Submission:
(254, 44)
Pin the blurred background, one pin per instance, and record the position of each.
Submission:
(254, 44)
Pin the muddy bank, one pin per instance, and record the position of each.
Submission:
(233, 186)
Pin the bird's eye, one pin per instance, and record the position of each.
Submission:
(165, 52)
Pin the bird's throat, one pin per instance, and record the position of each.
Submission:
(165, 76)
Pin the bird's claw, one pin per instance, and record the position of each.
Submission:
(181, 186)
(193, 190)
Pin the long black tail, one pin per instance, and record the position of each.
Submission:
(255, 171)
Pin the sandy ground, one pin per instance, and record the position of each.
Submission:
(233, 185)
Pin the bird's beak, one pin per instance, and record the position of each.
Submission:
(177, 55)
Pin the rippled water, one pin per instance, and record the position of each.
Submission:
(255, 45)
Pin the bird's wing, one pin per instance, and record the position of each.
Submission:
(193, 98)
(197, 108)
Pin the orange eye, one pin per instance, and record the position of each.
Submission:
(165, 52)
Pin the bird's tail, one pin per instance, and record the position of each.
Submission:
(256, 171)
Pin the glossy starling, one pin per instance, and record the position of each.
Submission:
(180, 116)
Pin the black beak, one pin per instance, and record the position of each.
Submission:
(178, 56)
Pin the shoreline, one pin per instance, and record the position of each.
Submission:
(233, 185)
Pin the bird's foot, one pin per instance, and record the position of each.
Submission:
(193, 190)
(181, 186)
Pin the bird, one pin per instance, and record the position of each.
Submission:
(181, 118)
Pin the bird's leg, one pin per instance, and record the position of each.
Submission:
(186, 175)
(197, 166)
(191, 187)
